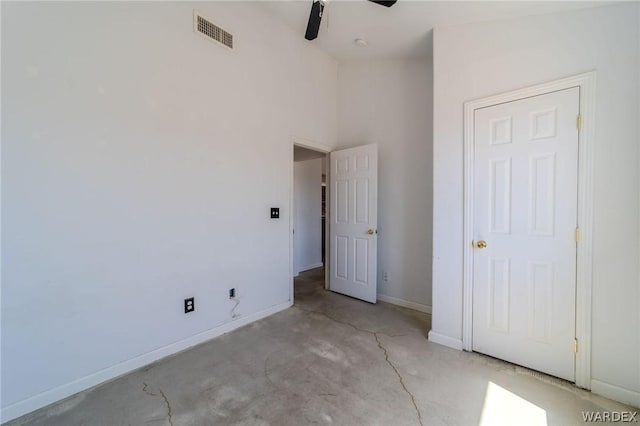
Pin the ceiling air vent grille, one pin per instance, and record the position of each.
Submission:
(211, 31)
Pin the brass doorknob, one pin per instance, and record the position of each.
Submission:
(482, 244)
(371, 232)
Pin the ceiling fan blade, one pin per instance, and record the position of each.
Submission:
(384, 3)
(313, 26)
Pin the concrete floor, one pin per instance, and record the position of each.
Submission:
(329, 359)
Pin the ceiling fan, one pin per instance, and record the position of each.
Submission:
(313, 26)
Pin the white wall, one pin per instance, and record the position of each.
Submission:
(139, 162)
(389, 103)
(474, 61)
(307, 215)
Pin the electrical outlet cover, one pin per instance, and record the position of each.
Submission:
(189, 305)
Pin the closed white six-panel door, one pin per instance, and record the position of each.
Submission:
(354, 216)
(525, 220)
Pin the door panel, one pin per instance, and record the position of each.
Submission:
(341, 206)
(500, 196)
(525, 208)
(353, 213)
(342, 256)
(499, 294)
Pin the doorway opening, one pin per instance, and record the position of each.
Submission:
(351, 218)
(309, 220)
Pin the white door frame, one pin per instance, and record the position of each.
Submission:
(586, 139)
(306, 143)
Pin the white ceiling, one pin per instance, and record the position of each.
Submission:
(404, 30)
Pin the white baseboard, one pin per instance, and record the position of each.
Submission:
(616, 393)
(445, 340)
(314, 266)
(405, 303)
(43, 399)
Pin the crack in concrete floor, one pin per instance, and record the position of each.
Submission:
(144, 389)
(166, 401)
(404, 386)
(384, 349)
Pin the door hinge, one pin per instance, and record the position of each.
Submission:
(579, 122)
(575, 346)
(578, 235)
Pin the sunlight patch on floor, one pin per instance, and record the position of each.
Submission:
(502, 407)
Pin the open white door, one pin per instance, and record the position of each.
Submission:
(354, 220)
